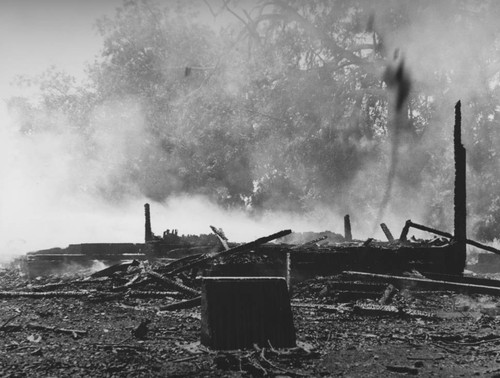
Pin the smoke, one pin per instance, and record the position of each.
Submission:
(448, 48)
(50, 186)
(61, 185)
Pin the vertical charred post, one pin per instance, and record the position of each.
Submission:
(460, 233)
(404, 231)
(148, 233)
(347, 228)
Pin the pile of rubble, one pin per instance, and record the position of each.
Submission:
(138, 316)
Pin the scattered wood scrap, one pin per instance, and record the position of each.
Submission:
(115, 268)
(40, 327)
(403, 369)
(190, 303)
(426, 283)
(168, 282)
(232, 251)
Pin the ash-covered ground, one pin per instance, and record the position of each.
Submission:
(119, 325)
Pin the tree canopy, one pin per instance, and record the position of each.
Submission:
(289, 105)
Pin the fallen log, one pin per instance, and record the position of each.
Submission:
(190, 303)
(168, 282)
(238, 249)
(426, 283)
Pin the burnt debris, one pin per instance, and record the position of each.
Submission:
(250, 305)
(291, 256)
(460, 204)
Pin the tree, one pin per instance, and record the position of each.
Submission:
(294, 105)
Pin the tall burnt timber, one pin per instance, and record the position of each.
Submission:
(446, 256)
(291, 259)
(386, 329)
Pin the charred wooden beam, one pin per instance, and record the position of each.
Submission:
(421, 227)
(387, 232)
(238, 249)
(482, 246)
(238, 312)
(309, 243)
(152, 294)
(403, 369)
(409, 223)
(148, 233)
(110, 270)
(324, 307)
(74, 332)
(404, 231)
(221, 236)
(460, 204)
(347, 228)
(462, 279)
(190, 303)
(171, 283)
(388, 294)
(367, 242)
(91, 294)
(288, 271)
(426, 283)
(44, 294)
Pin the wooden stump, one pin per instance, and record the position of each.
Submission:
(238, 312)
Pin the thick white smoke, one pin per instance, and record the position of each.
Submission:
(54, 193)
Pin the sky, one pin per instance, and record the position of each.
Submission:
(38, 34)
(35, 34)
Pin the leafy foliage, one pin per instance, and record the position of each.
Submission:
(288, 108)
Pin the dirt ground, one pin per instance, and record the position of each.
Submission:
(92, 336)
